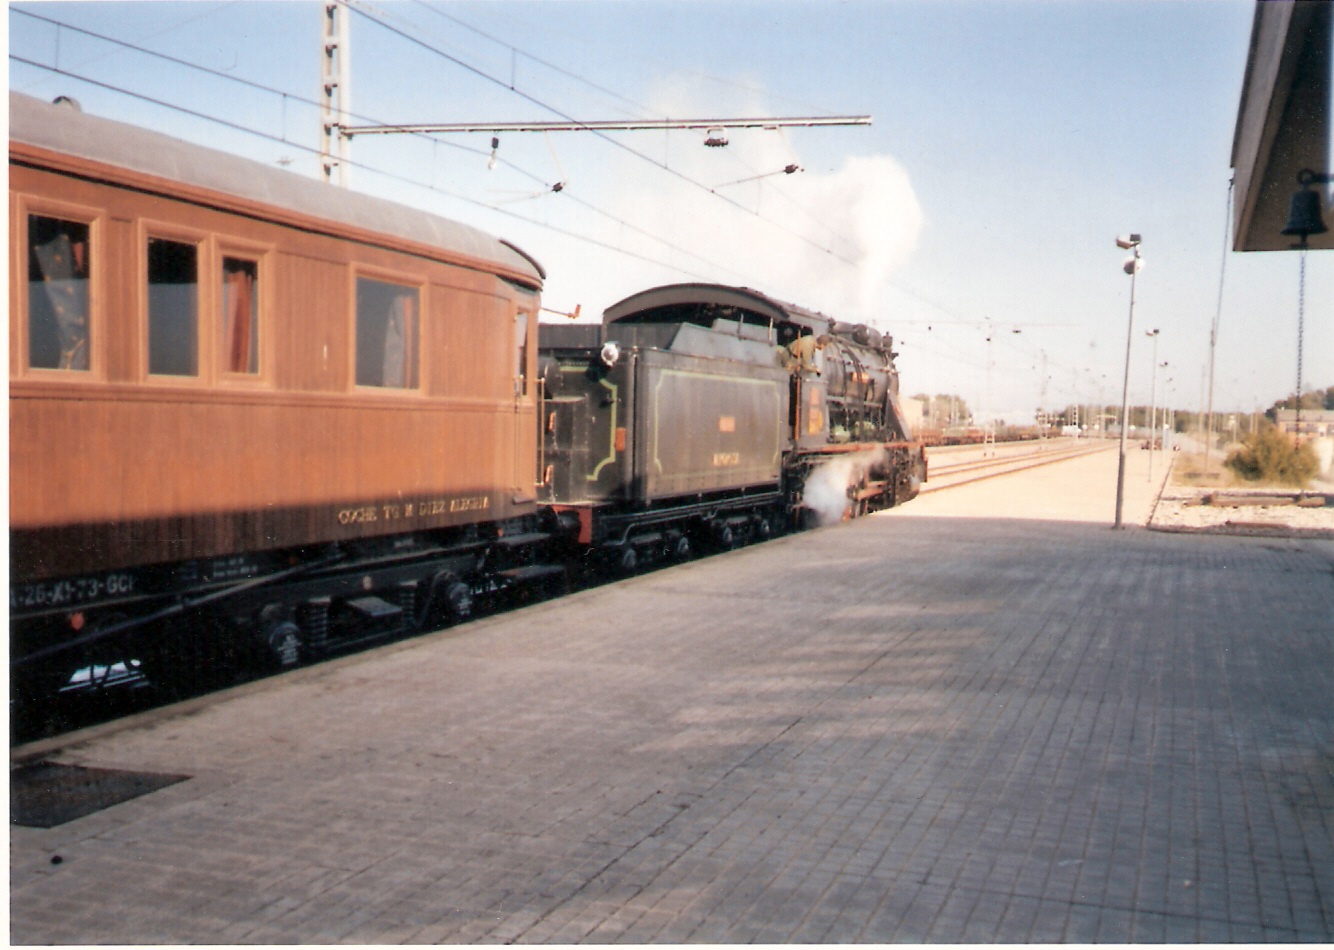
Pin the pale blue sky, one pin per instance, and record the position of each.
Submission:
(1012, 141)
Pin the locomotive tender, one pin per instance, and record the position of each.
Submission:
(254, 417)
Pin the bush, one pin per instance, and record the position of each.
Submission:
(1269, 455)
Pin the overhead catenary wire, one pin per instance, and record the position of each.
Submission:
(206, 12)
(639, 107)
(379, 171)
(537, 59)
(286, 96)
(364, 11)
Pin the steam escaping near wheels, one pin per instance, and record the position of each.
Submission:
(827, 491)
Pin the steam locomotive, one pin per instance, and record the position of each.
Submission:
(258, 420)
(685, 421)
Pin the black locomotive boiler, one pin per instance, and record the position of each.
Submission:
(705, 416)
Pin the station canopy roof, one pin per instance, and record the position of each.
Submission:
(1283, 123)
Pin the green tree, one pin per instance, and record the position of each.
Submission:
(1269, 455)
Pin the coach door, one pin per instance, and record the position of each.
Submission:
(525, 475)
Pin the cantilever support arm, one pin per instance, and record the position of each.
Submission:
(348, 131)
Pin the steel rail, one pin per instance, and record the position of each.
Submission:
(1013, 465)
(992, 462)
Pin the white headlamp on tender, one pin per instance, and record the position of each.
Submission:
(611, 352)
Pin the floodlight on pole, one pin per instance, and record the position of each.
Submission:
(1132, 266)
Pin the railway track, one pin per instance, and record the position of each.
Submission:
(103, 694)
(996, 461)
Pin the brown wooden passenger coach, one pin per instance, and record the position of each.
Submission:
(221, 366)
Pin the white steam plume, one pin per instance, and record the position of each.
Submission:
(829, 239)
(826, 488)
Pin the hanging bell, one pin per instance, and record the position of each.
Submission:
(1304, 214)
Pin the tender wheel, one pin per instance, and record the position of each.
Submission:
(458, 601)
(282, 642)
(448, 602)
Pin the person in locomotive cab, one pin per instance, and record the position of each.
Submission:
(803, 350)
(787, 334)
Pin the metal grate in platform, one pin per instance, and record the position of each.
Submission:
(46, 794)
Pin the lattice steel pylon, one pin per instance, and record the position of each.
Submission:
(335, 93)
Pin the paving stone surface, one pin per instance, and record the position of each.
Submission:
(906, 728)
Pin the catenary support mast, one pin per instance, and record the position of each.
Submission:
(335, 93)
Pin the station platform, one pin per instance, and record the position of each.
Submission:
(940, 724)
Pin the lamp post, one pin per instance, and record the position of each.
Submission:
(1131, 266)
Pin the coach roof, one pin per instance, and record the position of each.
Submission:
(64, 129)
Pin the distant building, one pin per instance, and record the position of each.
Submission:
(1315, 422)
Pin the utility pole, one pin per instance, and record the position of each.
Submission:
(335, 93)
(1132, 266)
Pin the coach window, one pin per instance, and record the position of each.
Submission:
(59, 274)
(240, 315)
(173, 308)
(387, 334)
